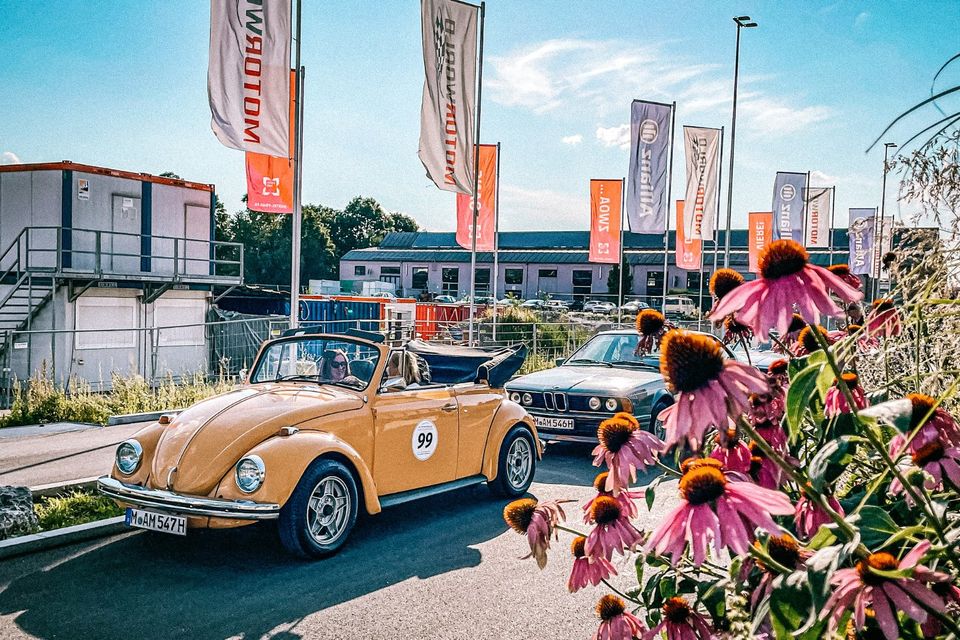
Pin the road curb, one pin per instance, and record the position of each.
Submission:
(60, 537)
(56, 488)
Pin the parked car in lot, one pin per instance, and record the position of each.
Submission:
(679, 306)
(602, 377)
(326, 426)
(445, 299)
(634, 306)
(599, 306)
(534, 303)
(560, 306)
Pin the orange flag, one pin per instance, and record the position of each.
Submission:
(688, 249)
(761, 233)
(270, 178)
(605, 215)
(486, 210)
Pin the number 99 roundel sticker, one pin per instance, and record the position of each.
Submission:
(424, 440)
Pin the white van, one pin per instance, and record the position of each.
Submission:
(679, 306)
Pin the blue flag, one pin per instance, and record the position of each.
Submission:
(788, 211)
(861, 233)
(650, 142)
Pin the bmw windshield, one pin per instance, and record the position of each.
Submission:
(319, 359)
(612, 349)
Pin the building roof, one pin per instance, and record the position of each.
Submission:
(67, 165)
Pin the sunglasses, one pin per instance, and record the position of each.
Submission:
(339, 364)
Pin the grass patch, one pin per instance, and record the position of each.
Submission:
(76, 507)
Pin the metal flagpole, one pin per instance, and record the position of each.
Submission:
(833, 216)
(298, 186)
(476, 184)
(623, 195)
(716, 223)
(496, 241)
(666, 225)
(806, 207)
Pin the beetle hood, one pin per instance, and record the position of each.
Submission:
(203, 442)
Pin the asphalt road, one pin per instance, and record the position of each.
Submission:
(444, 567)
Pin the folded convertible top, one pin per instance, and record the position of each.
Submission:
(451, 364)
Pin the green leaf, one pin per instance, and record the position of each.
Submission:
(876, 526)
(789, 610)
(640, 562)
(896, 413)
(831, 460)
(802, 388)
(823, 538)
(825, 380)
(821, 566)
(649, 495)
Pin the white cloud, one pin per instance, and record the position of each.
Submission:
(550, 209)
(618, 136)
(861, 19)
(773, 117)
(575, 139)
(9, 157)
(820, 179)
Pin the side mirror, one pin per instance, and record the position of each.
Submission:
(242, 375)
(394, 384)
(559, 361)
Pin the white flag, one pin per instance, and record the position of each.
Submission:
(702, 148)
(449, 30)
(819, 203)
(248, 78)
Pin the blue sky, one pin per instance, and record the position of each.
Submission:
(123, 84)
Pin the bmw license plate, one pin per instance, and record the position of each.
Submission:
(163, 522)
(544, 422)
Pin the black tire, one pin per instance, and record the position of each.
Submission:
(336, 483)
(513, 478)
(656, 427)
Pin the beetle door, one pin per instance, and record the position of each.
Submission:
(478, 404)
(417, 438)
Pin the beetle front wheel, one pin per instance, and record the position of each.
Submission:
(317, 519)
(517, 463)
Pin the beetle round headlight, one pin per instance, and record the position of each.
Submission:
(250, 473)
(515, 397)
(594, 403)
(527, 399)
(610, 404)
(128, 456)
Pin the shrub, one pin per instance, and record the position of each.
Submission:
(76, 507)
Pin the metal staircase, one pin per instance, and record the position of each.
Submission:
(24, 288)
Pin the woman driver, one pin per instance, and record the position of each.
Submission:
(335, 365)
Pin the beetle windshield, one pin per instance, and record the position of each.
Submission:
(318, 359)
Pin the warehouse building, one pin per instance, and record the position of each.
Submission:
(537, 263)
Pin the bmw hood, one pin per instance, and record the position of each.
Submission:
(203, 442)
(618, 381)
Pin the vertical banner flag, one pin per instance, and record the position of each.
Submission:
(605, 216)
(819, 202)
(760, 229)
(487, 189)
(702, 148)
(788, 205)
(862, 223)
(688, 249)
(248, 80)
(270, 178)
(649, 164)
(449, 32)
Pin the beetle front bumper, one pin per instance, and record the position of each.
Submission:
(175, 503)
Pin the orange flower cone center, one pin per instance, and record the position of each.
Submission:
(577, 547)
(650, 321)
(614, 433)
(882, 561)
(676, 610)
(784, 549)
(782, 258)
(609, 607)
(689, 360)
(930, 452)
(703, 483)
(922, 404)
(605, 510)
(724, 281)
(519, 513)
(600, 482)
(808, 340)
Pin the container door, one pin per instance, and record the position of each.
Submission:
(121, 245)
(195, 249)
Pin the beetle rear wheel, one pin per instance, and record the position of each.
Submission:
(517, 463)
(317, 519)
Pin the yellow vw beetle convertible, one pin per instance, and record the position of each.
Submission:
(323, 426)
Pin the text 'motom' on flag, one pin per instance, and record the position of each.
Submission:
(701, 147)
(449, 34)
(819, 202)
(650, 124)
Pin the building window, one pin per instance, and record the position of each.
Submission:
(390, 274)
(513, 276)
(693, 281)
(360, 270)
(482, 281)
(548, 273)
(582, 283)
(419, 279)
(655, 283)
(450, 281)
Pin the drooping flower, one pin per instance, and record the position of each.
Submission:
(939, 426)
(809, 516)
(538, 521)
(719, 507)
(862, 587)
(625, 448)
(807, 342)
(762, 471)
(616, 623)
(613, 530)
(835, 401)
(723, 281)
(773, 434)
(938, 461)
(883, 319)
(681, 622)
(709, 389)
(786, 279)
(733, 332)
(843, 271)
(587, 570)
(864, 341)
(652, 326)
(778, 374)
(766, 407)
(732, 452)
(786, 552)
(624, 497)
(932, 628)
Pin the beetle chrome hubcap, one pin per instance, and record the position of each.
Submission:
(519, 462)
(328, 510)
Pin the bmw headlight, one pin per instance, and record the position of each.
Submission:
(250, 473)
(515, 397)
(610, 404)
(527, 399)
(594, 403)
(128, 456)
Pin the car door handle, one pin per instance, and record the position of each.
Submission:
(450, 406)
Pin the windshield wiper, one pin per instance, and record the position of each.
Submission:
(297, 376)
(634, 363)
(587, 361)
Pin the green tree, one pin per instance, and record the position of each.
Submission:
(614, 276)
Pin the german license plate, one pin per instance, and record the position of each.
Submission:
(544, 422)
(163, 522)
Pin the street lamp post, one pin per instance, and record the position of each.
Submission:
(878, 224)
(743, 22)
